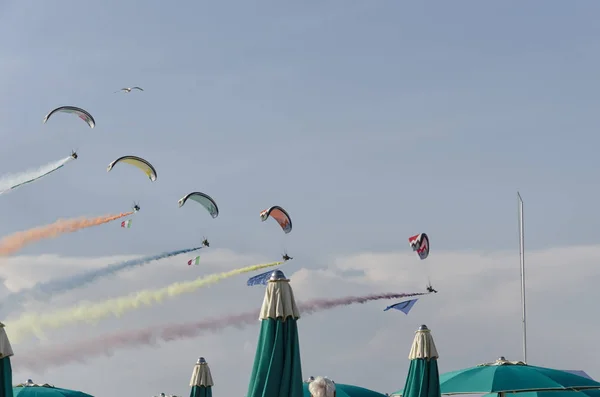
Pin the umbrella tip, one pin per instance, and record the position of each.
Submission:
(201, 360)
(277, 275)
(423, 327)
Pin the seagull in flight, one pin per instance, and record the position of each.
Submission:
(128, 90)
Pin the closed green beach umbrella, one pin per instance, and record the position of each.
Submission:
(30, 389)
(423, 378)
(277, 371)
(202, 381)
(503, 376)
(5, 368)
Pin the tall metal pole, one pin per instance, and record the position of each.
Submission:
(522, 257)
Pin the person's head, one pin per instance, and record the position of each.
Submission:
(322, 387)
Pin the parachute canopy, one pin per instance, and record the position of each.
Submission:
(420, 244)
(203, 199)
(280, 215)
(136, 162)
(82, 114)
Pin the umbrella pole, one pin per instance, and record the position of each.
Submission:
(522, 258)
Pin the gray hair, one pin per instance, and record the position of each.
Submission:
(321, 387)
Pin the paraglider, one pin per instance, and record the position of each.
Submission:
(420, 244)
(138, 162)
(82, 114)
(280, 215)
(136, 207)
(74, 154)
(203, 199)
(128, 89)
(282, 218)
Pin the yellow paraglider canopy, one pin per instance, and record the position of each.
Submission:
(138, 162)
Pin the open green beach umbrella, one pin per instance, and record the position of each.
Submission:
(342, 390)
(581, 393)
(578, 372)
(30, 389)
(504, 376)
(5, 368)
(202, 381)
(277, 371)
(423, 379)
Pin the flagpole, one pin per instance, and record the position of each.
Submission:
(522, 258)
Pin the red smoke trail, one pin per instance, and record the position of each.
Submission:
(14, 242)
(42, 358)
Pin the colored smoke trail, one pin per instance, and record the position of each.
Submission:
(14, 242)
(42, 358)
(325, 304)
(12, 181)
(45, 290)
(33, 323)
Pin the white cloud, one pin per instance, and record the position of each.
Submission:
(474, 318)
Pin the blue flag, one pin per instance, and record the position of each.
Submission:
(404, 307)
(262, 278)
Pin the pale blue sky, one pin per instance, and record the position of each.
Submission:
(369, 121)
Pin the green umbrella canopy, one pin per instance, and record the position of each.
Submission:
(202, 381)
(30, 389)
(504, 376)
(342, 390)
(423, 379)
(578, 372)
(277, 371)
(561, 393)
(5, 368)
(582, 393)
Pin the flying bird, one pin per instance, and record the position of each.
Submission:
(128, 90)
